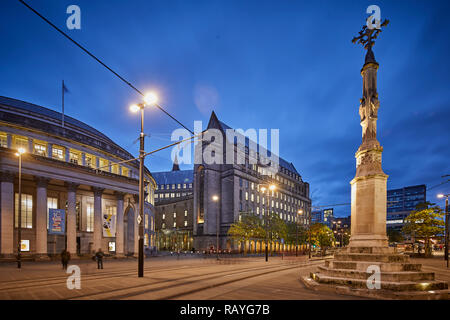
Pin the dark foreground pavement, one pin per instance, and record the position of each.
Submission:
(166, 278)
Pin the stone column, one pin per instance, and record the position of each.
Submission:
(67, 154)
(368, 188)
(7, 214)
(9, 140)
(98, 229)
(71, 231)
(41, 217)
(119, 224)
(30, 145)
(50, 150)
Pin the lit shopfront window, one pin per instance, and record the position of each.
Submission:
(26, 213)
(89, 217)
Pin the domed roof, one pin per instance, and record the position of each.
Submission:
(40, 118)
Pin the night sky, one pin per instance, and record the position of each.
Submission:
(259, 64)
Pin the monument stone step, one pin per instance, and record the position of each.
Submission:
(379, 250)
(426, 285)
(371, 257)
(396, 276)
(363, 265)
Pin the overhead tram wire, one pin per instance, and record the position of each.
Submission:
(99, 61)
(187, 140)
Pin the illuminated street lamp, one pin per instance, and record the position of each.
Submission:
(215, 198)
(19, 153)
(300, 212)
(446, 225)
(149, 100)
(263, 188)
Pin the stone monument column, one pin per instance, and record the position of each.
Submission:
(368, 187)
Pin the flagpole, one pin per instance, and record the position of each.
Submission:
(63, 103)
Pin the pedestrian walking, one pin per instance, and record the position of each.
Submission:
(99, 257)
(65, 258)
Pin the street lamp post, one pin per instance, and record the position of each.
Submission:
(300, 212)
(263, 189)
(215, 198)
(19, 153)
(309, 231)
(150, 99)
(446, 236)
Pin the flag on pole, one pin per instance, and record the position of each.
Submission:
(64, 90)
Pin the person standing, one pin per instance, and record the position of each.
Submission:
(99, 256)
(65, 258)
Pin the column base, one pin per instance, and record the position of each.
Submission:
(368, 240)
(41, 257)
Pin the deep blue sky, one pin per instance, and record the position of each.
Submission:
(259, 64)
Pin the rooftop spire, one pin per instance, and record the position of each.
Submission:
(175, 166)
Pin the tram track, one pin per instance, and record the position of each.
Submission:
(155, 287)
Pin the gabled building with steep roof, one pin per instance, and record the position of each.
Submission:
(237, 187)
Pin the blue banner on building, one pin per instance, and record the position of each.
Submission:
(56, 221)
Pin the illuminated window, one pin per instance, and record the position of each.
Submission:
(104, 164)
(74, 156)
(26, 211)
(179, 186)
(3, 140)
(185, 223)
(52, 203)
(40, 148)
(89, 217)
(115, 169)
(174, 214)
(146, 239)
(257, 210)
(163, 216)
(125, 172)
(20, 142)
(184, 185)
(146, 221)
(252, 197)
(185, 213)
(89, 160)
(174, 224)
(246, 195)
(58, 153)
(163, 226)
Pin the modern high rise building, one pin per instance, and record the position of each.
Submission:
(400, 203)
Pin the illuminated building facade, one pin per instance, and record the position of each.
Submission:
(68, 166)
